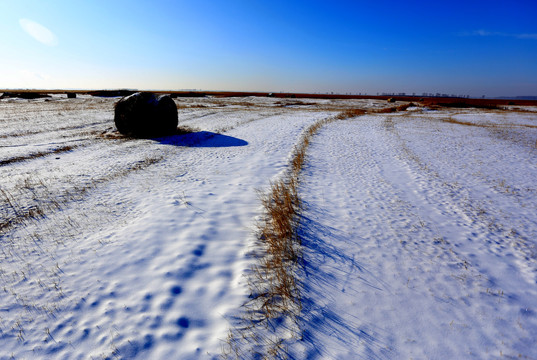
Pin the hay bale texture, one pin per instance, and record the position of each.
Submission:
(146, 115)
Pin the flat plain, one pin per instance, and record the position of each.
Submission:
(417, 229)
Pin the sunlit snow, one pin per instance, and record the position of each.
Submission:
(418, 229)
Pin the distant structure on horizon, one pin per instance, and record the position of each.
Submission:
(425, 94)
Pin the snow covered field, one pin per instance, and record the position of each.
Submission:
(419, 229)
(421, 243)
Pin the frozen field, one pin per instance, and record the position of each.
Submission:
(419, 229)
(421, 243)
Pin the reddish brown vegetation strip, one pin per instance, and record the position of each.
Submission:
(467, 123)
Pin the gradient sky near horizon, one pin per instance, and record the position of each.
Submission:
(457, 47)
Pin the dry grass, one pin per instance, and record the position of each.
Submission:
(275, 295)
(30, 200)
(21, 214)
(403, 107)
(36, 155)
(113, 134)
(350, 113)
(271, 315)
(463, 104)
(34, 221)
(40, 200)
(294, 103)
(392, 109)
(385, 110)
(496, 126)
(278, 233)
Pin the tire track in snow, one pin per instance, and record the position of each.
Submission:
(497, 234)
(388, 215)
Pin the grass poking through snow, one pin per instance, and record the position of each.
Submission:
(271, 315)
(37, 155)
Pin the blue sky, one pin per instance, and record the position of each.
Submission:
(456, 47)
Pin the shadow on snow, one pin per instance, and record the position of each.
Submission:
(327, 267)
(201, 139)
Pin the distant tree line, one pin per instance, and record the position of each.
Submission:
(425, 94)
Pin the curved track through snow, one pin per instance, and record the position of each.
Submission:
(132, 248)
(128, 248)
(398, 263)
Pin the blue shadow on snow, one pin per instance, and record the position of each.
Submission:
(201, 139)
(325, 266)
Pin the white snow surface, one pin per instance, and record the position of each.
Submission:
(419, 234)
(419, 238)
(141, 249)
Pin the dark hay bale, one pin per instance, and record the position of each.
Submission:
(145, 115)
(71, 95)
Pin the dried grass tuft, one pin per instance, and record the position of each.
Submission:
(403, 107)
(385, 110)
(272, 313)
(37, 155)
(350, 113)
(451, 120)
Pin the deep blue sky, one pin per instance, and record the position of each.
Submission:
(456, 47)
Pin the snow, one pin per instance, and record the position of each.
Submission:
(419, 240)
(418, 233)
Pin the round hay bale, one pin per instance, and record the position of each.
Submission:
(145, 115)
(167, 114)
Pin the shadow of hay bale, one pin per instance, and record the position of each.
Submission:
(201, 139)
